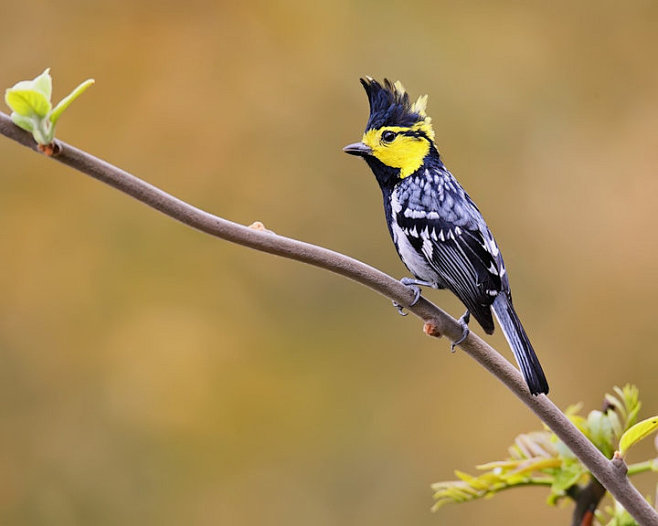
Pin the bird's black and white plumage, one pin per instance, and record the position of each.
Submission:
(438, 231)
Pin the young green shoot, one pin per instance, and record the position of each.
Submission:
(32, 109)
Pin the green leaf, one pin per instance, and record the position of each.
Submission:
(43, 132)
(636, 433)
(566, 477)
(615, 423)
(616, 404)
(23, 122)
(601, 432)
(31, 97)
(27, 102)
(632, 415)
(564, 452)
(630, 396)
(66, 101)
(44, 84)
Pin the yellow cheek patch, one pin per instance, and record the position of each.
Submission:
(404, 152)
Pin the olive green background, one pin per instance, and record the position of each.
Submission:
(150, 374)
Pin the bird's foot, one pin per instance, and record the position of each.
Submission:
(463, 321)
(413, 284)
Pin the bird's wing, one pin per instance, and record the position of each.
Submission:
(456, 242)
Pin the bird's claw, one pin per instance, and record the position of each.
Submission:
(463, 321)
(415, 289)
(400, 309)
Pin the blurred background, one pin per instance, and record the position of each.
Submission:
(155, 375)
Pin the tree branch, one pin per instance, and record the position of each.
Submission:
(613, 478)
(587, 499)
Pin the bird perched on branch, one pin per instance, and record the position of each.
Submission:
(438, 231)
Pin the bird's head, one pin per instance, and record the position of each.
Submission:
(399, 134)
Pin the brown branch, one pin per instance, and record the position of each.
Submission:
(587, 499)
(614, 480)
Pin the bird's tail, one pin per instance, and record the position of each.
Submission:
(520, 344)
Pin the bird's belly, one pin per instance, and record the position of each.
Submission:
(415, 262)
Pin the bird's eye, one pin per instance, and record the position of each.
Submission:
(388, 136)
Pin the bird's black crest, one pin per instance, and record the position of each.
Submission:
(389, 105)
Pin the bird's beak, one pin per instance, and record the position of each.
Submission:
(358, 148)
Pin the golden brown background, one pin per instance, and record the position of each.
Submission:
(150, 374)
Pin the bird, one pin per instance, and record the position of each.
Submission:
(438, 231)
